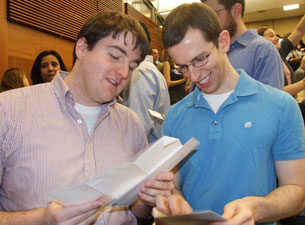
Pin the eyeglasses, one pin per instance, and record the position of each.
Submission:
(199, 61)
(219, 10)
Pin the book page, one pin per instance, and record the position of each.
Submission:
(122, 183)
(196, 218)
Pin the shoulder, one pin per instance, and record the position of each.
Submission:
(257, 41)
(180, 108)
(146, 71)
(256, 45)
(22, 97)
(262, 44)
(275, 98)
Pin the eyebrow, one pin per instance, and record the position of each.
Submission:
(119, 48)
(195, 58)
(124, 52)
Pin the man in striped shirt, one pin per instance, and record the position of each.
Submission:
(69, 130)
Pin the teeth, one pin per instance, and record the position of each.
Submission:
(205, 80)
(112, 81)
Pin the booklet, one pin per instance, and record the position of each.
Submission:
(196, 218)
(122, 183)
(157, 115)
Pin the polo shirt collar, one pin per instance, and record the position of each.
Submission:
(246, 37)
(245, 86)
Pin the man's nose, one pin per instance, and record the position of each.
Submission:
(124, 70)
(194, 73)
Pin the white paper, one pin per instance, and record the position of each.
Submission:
(156, 114)
(196, 218)
(122, 183)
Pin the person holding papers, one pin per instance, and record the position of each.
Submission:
(69, 130)
(147, 90)
(250, 134)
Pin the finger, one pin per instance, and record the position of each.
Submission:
(104, 199)
(85, 218)
(174, 206)
(168, 176)
(149, 200)
(162, 204)
(159, 185)
(154, 192)
(76, 210)
(178, 205)
(229, 212)
(242, 217)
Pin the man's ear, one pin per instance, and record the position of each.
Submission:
(224, 41)
(236, 10)
(81, 48)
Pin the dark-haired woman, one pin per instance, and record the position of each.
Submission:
(45, 66)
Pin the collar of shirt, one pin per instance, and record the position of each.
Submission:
(64, 94)
(246, 86)
(246, 37)
(149, 58)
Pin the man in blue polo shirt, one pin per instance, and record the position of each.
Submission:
(248, 50)
(249, 133)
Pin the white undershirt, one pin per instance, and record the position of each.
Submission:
(89, 114)
(215, 101)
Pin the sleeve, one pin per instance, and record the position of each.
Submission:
(286, 48)
(141, 96)
(298, 75)
(3, 132)
(289, 143)
(268, 66)
(166, 125)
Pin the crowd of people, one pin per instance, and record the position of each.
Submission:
(240, 92)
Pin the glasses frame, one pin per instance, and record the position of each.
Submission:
(185, 68)
(219, 10)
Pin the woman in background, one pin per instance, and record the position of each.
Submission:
(284, 47)
(174, 79)
(45, 66)
(13, 78)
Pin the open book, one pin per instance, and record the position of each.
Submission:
(196, 218)
(122, 183)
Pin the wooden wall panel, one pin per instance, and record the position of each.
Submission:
(25, 44)
(63, 18)
(23, 63)
(3, 38)
(22, 41)
(154, 29)
(114, 5)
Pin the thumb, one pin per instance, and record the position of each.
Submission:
(229, 211)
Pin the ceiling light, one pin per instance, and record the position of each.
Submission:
(290, 7)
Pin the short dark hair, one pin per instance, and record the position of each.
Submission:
(36, 72)
(194, 15)
(12, 78)
(103, 24)
(229, 3)
(262, 30)
(146, 31)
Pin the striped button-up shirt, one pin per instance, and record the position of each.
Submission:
(44, 145)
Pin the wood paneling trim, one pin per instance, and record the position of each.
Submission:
(114, 5)
(64, 18)
(154, 29)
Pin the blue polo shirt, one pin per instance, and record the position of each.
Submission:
(258, 57)
(254, 127)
